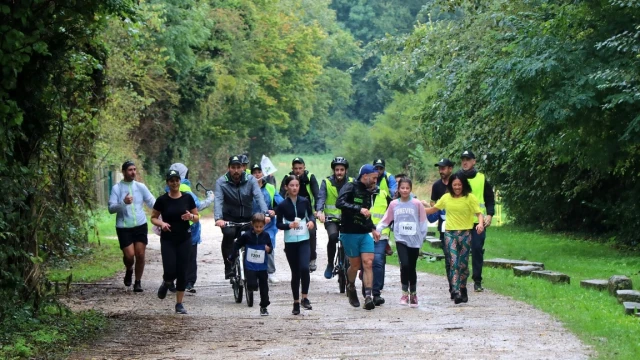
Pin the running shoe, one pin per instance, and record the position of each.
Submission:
(273, 279)
(180, 309)
(172, 287)
(263, 311)
(404, 299)
(378, 300)
(296, 309)
(413, 300)
(137, 286)
(477, 287)
(162, 290)
(189, 288)
(306, 304)
(312, 266)
(463, 295)
(368, 303)
(352, 293)
(458, 298)
(328, 271)
(127, 277)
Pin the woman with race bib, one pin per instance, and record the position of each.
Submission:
(410, 228)
(295, 217)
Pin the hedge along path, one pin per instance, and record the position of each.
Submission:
(490, 326)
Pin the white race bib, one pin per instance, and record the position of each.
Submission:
(407, 228)
(301, 230)
(255, 256)
(442, 228)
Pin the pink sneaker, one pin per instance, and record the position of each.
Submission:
(413, 301)
(404, 300)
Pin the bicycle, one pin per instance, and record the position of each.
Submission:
(340, 263)
(238, 280)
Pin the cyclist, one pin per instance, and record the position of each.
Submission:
(126, 200)
(355, 200)
(234, 195)
(272, 199)
(185, 186)
(326, 210)
(308, 189)
(245, 163)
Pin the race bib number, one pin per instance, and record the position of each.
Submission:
(407, 228)
(255, 256)
(300, 230)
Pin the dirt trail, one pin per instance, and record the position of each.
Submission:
(490, 326)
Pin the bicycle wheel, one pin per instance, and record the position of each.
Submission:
(249, 294)
(237, 281)
(342, 279)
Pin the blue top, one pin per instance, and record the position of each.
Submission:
(287, 211)
(269, 228)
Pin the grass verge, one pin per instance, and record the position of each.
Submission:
(595, 317)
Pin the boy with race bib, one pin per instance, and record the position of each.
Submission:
(409, 220)
(257, 244)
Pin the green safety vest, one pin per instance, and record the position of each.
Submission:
(332, 196)
(384, 183)
(378, 209)
(272, 193)
(186, 188)
(477, 189)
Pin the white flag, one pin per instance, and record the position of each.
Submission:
(267, 166)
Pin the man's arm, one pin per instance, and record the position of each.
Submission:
(314, 187)
(115, 205)
(147, 196)
(257, 195)
(218, 199)
(393, 184)
(322, 196)
(343, 199)
(489, 198)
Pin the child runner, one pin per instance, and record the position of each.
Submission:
(461, 205)
(410, 227)
(295, 217)
(257, 244)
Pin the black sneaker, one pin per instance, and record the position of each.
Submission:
(458, 298)
(477, 287)
(306, 304)
(127, 277)
(137, 287)
(172, 287)
(296, 309)
(189, 288)
(352, 293)
(378, 300)
(463, 295)
(162, 290)
(368, 303)
(180, 309)
(264, 312)
(312, 266)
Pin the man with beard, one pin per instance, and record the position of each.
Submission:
(439, 188)
(126, 201)
(358, 233)
(235, 193)
(481, 188)
(308, 189)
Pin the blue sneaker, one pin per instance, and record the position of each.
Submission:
(328, 272)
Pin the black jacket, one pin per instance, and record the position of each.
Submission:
(234, 202)
(251, 237)
(286, 210)
(304, 180)
(353, 197)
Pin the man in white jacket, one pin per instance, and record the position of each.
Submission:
(126, 201)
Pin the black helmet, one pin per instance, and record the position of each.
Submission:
(339, 160)
(244, 159)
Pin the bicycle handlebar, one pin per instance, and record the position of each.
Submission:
(235, 224)
(199, 185)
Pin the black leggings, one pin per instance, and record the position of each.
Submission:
(333, 230)
(175, 260)
(408, 258)
(259, 279)
(298, 258)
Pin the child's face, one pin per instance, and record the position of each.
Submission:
(258, 227)
(405, 190)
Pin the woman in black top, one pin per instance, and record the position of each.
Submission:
(178, 210)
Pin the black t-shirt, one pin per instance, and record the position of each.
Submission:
(437, 190)
(171, 211)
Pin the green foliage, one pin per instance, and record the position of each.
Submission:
(556, 139)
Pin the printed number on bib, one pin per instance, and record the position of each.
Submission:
(255, 256)
(300, 230)
(407, 228)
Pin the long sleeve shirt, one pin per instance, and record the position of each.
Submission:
(409, 222)
(130, 215)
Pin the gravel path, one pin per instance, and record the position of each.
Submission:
(490, 326)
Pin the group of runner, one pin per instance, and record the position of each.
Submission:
(363, 212)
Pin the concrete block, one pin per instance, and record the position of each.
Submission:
(509, 264)
(525, 270)
(553, 276)
(434, 242)
(599, 285)
(631, 308)
(628, 295)
(619, 282)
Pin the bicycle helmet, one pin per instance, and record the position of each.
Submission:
(339, 160)
(244, 159)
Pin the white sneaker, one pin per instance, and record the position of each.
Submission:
(273, 279)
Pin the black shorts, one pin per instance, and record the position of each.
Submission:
(128, 236)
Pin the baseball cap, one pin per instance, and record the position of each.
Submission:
(171, 174)
(234, 160)
(127, 164)
(367, 169)
(379, 162)
(468, 154)
(256, 167)
(297, 160)
(444, 162)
